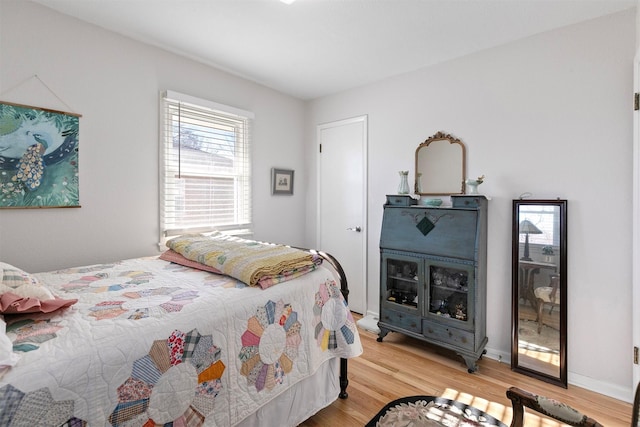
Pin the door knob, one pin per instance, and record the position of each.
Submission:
(356, 229)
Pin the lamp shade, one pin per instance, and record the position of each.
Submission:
(527, 227)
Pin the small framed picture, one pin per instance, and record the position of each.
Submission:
(281, 181)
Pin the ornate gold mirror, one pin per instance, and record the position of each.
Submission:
(440, 166)
(539, 290)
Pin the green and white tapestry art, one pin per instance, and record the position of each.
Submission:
(38, 157)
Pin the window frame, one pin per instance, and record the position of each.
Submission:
(171, 178)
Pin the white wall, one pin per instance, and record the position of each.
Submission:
(114, 83)
(550, 115)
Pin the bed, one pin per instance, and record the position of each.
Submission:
(147, 341)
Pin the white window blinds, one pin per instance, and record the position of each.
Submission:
(205, 166)
(546, 219)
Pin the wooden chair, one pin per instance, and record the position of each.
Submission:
(547, 296)
(558, 410)
(549, 407)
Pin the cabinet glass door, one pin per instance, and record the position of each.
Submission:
(401, 288)
(450, 293)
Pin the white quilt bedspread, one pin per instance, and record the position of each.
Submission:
(153, 343)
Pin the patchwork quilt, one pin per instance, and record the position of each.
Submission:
(151, 342)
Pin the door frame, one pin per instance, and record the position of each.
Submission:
(364, 193)
(635, 238)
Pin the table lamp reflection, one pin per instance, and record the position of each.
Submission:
(526, 228)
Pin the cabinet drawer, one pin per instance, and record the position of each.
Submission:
(447, 334)
(467, 201)
(402, 320)
(400, 200)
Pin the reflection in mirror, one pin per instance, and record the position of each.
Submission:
(440, 166)
(539, 303)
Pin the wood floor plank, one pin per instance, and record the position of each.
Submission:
(403, 366)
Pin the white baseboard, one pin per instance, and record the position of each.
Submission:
(608, 389)
(602, 387)
(499, 355)
(369, 322)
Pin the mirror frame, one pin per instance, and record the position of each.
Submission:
(516, 365)
(441, 136)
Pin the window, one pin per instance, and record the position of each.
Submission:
(546, 219)
(205, 166)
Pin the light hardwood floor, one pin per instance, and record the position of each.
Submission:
(402, 366)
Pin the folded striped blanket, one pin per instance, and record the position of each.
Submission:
(252, 262)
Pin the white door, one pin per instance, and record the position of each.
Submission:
(342, 196)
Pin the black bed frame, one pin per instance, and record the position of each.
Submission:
(344, 288)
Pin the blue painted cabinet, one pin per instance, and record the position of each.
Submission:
(433, 274)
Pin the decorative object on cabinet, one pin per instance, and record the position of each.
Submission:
(441, 163)
(281, 181)
(432, 202)
(403, 187)
(433, 275)
(539, 302)
(38, 157)
(472, 184)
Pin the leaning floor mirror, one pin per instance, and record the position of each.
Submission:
(539, 290)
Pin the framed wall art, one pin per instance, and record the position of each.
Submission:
(38, 157)
(281, 181)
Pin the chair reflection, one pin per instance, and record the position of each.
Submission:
(547, 296)
(527, 278)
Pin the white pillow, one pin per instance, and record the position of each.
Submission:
(28, 291)
(7, 356)
(21, 283)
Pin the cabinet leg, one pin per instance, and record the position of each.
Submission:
(471, 363)
(383, 333)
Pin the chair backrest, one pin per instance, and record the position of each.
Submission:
(554, 284)
(549, 407)
(561, 412)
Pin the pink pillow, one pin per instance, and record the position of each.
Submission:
(173, 256)
(11, 303)
(21, 292)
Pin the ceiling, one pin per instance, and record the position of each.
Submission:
(314, 48)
